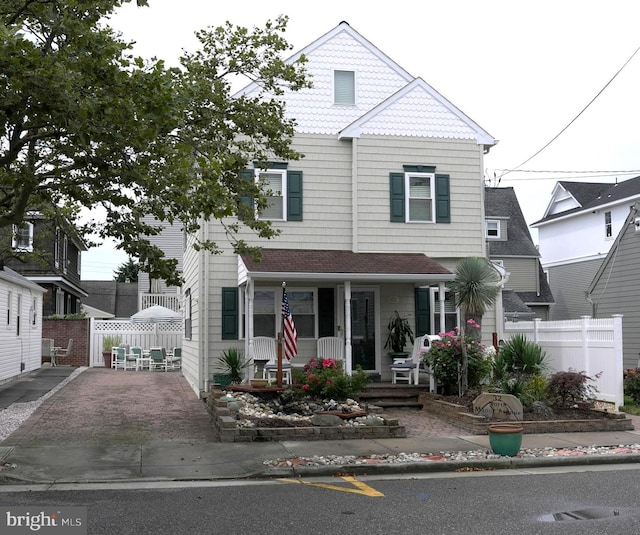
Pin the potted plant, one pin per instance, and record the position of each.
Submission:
(108, 342)
(400, 332)
(233, 364)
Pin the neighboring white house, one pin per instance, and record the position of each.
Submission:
(388, 198)
(21, 329)
(575, 234)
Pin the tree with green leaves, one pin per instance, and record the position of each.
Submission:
(86, 127)
(127, 272)
(475, 288)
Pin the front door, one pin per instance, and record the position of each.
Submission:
(364, 323)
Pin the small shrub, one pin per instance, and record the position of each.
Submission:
(535, 389)
(233, 363)
(632, 384)
(520, 356)
(570, 387)
(324, 378)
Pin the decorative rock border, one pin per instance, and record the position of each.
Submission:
(229, 431)
(477, 425)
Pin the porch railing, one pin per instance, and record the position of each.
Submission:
(171, 301)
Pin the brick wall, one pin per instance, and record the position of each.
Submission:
(64, 329)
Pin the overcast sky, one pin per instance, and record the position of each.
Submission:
(522, 70)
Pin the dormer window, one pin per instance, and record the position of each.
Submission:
(344, 88)
(23, 237)
(492, 228)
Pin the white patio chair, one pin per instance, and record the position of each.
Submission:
(409, 369)
(158, 358)
(265, 350)
(174, 360)
(119, 358)
(331, 347)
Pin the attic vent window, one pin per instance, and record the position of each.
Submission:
(608, 231)
(344, 88)
(492, 228)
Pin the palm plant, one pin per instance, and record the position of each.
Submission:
(475, 289)
(233, 363)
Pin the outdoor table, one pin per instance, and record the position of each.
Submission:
(144, 361)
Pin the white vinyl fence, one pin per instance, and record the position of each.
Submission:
(585, 345)
(145, 335)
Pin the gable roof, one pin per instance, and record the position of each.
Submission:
(9, 275)
(503, 203)
(589, 195)
(291, 264)
(117, 298)
(394, 102)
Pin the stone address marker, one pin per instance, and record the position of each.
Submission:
(498, 407)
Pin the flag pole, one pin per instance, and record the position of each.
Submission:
(280, 337)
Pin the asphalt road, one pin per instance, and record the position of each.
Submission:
(466, 503)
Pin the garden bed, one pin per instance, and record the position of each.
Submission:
(456, 411)
(275, 429)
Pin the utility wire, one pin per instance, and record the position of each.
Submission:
(576, 117)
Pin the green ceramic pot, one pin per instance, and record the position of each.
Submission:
(505, 439)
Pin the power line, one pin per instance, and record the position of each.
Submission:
(576, 117)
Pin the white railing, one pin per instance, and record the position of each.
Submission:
(145, 335)
(171, 301)
(593, 346)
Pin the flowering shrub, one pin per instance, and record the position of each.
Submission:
(445, 358)
(632, 384)
(324, 378)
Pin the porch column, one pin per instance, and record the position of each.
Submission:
(347, 327)
(441, 299)
(248, 319)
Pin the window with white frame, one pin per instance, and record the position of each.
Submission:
(65, 252)
(344, 88)
(56, 249)
(23, 237)
(34, 312)
(274, 184)
(267, 312)
(9, 304)
(608, 230)
(419, 199)
(451, 315)
(18, 313)
(492, 228)
(187, 315)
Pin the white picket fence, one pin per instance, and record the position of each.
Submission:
(586, 345)
(145, 335)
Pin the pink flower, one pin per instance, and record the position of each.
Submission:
(305, 387)
(328, 363)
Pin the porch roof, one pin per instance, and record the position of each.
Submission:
(303, 264)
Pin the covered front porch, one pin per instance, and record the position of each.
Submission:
(346, 295)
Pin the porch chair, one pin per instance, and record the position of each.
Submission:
(265, 350)
(158, 359)
(331, 347)
(409, 369)
(61, 352)
(120, 360)
(138, 355)
(174, 361)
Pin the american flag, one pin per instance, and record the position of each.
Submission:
(289, 334)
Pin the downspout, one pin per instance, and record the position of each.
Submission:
(354, 196)
(204, 312)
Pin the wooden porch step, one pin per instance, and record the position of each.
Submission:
(399, 405)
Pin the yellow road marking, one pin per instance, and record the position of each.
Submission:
(361, 488)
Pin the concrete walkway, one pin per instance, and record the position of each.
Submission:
(112, 425)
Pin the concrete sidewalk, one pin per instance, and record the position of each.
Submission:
(112, 425)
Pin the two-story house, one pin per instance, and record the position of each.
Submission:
(575, 234)
(49, 255)
(526, 293)
(388, 198)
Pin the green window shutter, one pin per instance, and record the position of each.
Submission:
(229, 313)
(443, 212)
(396, 200)
(294, 195)
(247, 174)
(326, 312)
(423, 316)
